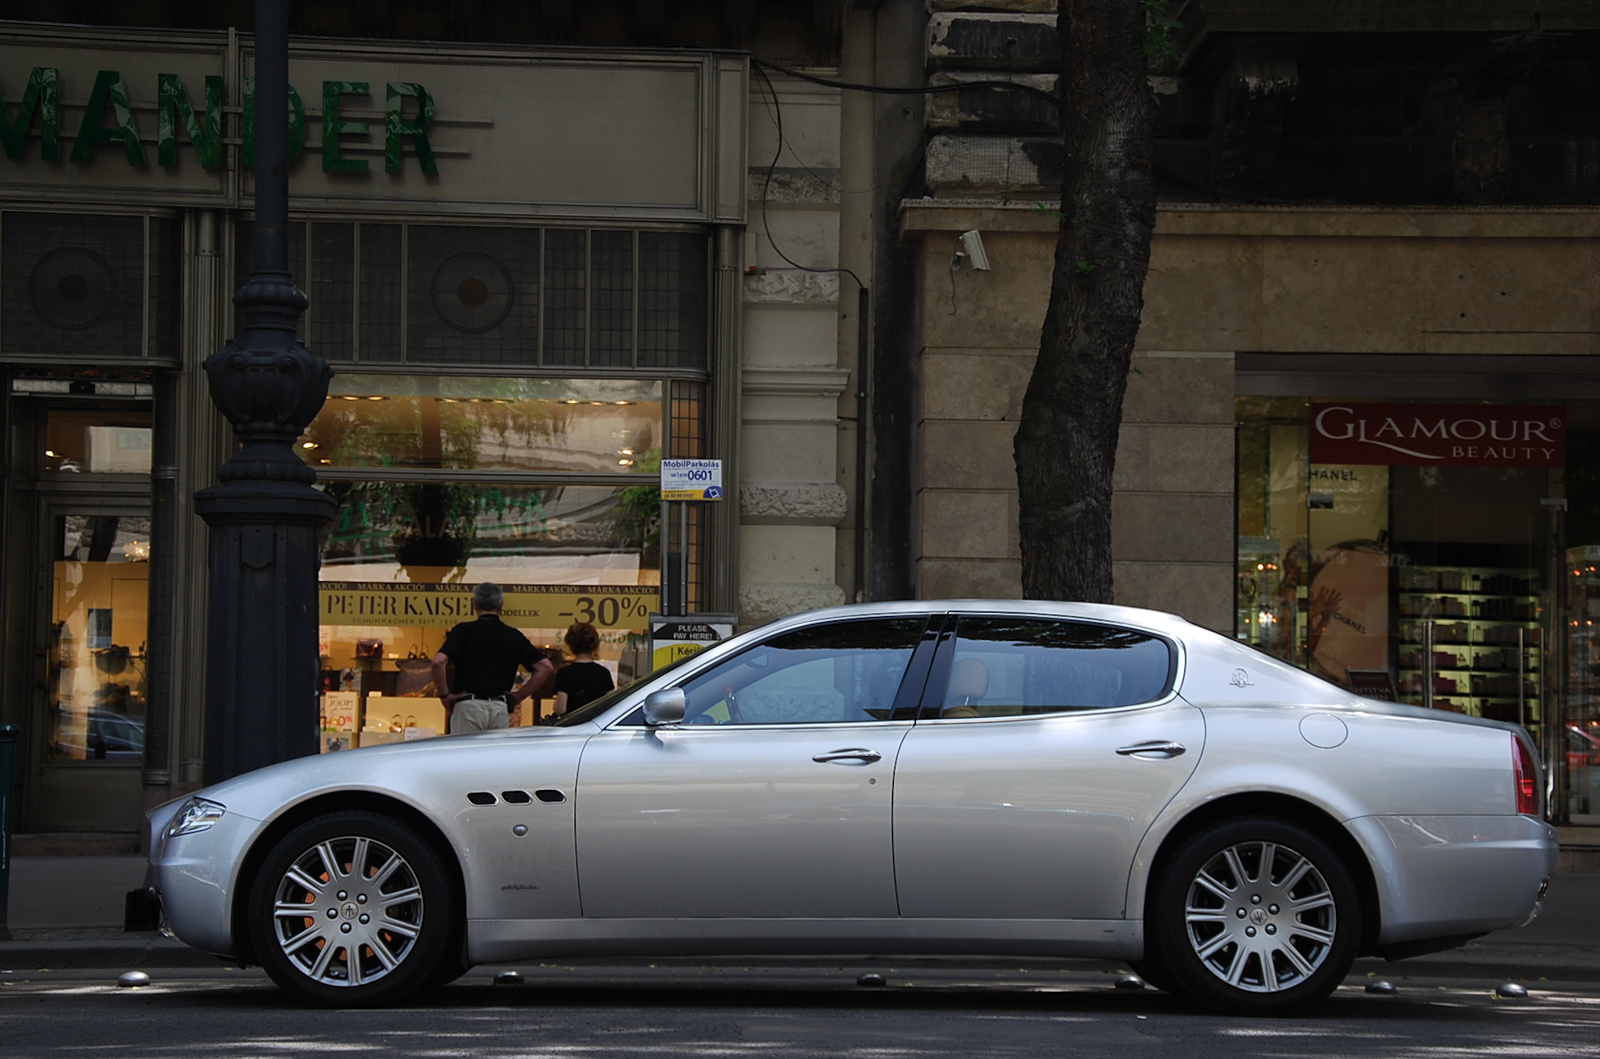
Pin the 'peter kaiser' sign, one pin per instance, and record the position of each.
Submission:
(1439, 435)
(691, 479)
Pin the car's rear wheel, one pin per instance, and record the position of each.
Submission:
(1254, 916)
(352, 910)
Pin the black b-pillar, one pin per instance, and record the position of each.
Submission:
(265, 517)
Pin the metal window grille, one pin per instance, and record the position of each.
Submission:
(82, 284)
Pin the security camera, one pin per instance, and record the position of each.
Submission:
(972, 249)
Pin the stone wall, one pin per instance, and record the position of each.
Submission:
(790, 499)
(1297, 281)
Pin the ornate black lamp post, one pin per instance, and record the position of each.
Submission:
(265, 517)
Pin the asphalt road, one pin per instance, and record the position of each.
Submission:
(923, 1012)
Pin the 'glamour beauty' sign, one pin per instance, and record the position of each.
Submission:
(1439, 435)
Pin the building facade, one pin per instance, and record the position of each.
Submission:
(555, 243)
(1359, 432)
(532, 277)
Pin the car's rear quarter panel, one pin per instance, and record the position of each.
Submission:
(1430, 801)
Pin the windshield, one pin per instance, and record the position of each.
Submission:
(588, 712)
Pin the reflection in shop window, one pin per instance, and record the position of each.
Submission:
(99, 628)
(97, 441)
(586, 426)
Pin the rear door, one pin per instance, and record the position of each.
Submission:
(1044, 751)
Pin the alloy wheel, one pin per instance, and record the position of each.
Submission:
(1260, 916)
(347, 911)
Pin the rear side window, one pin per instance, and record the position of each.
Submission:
(1005, 667)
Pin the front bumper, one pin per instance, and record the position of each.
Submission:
(193, 878)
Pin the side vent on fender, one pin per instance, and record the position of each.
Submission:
(515, 797)
(550, 796)
(481, 798)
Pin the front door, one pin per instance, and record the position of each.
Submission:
(95, 591)
(772, 800)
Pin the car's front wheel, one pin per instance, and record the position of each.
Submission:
(1254, 916)
(352, 909)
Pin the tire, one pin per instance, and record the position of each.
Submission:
(373, 890)
(1254, 916)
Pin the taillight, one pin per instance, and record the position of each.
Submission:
(1527, 777)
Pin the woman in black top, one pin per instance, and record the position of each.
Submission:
(583, 679)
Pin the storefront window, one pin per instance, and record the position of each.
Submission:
(400, 564)
(95, 674)
(1426, 553)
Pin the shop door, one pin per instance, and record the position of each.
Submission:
(93, 637)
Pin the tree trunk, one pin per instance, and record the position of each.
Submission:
(1066, 441)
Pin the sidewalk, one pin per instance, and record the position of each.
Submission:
(66, 912)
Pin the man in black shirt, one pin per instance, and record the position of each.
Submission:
(486, 654)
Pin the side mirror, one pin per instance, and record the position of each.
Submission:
(665, 707)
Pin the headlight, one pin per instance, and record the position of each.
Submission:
(196, 814)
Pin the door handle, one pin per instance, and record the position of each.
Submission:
(858, 755)
(1163, 747)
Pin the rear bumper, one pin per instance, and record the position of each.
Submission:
(1451, 876)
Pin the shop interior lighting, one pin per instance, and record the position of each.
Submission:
(375, 398)
(597, 402)
(54, 455)
(625, 452)
(620, 402)
(308, 444)
(625, 463)
(570, 400)
(136, 551)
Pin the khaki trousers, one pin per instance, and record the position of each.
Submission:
(479, 715)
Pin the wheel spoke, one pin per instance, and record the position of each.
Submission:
(1205, 915)
(300, 940)
(1269, 972)
(1235, 865)
(1215, 945)
(1206, 882)
(352, 964)
(319, 969)
(330, 860)
(1303, 965)
(1311, 904)
(381, 951)
(405, 930)
(399, 897)
(387, 870)
(300, 878)
(1316, 934)
(1295, 874)
(358, 859)
(1236, 966)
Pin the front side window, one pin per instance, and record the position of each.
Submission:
(830, 674)
(1006, 667)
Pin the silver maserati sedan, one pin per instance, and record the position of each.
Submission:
(956, 778)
